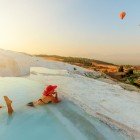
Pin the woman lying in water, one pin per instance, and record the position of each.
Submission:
(49, 96)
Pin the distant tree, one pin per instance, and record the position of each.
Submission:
(130, 72)
(121, 69)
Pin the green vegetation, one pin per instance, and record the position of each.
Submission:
(132, 77)
(83, 61)
(131, 80)
(137, 73)
(76, 60)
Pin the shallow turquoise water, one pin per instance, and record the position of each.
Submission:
(64, 121)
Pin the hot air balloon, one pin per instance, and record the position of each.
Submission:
(122, 15)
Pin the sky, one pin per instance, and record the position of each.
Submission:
(82, 28)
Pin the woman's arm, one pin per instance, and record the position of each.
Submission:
(55, 98)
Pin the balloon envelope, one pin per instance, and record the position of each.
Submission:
(122, 15)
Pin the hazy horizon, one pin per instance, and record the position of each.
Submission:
(90, 29)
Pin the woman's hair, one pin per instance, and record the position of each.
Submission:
(30, 104)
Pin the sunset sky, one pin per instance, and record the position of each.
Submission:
(82, 28)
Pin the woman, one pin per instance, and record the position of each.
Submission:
(49, 95)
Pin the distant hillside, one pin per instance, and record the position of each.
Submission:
(75, 59)
(126, 73)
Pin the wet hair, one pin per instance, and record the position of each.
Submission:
(30, 104)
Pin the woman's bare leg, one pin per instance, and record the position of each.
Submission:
(9, 105)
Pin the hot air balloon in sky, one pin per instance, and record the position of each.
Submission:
(122, 15)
